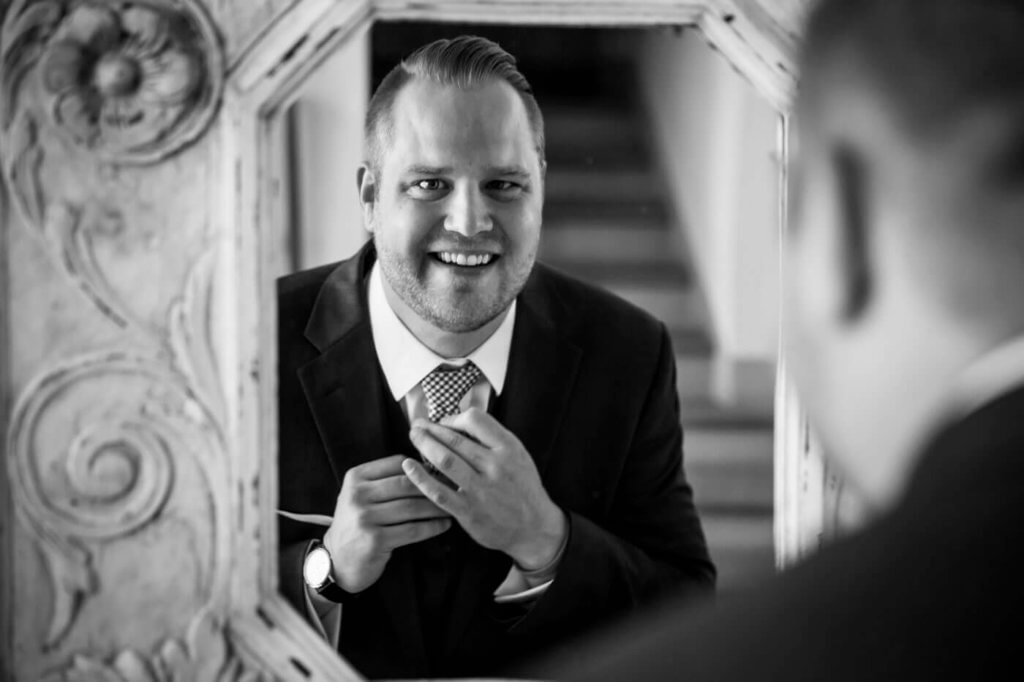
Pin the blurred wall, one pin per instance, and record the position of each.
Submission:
(327, 137)
(716, 141)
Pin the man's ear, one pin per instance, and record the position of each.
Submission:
(366, 182)
(852, 191)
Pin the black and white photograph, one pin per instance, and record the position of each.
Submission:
(503, 340)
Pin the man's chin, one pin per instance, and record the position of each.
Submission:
(457, 321)
(458, 309)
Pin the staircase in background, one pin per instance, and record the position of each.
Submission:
(607, 220)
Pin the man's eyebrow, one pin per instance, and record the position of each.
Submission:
(505, 171)
(428, 170)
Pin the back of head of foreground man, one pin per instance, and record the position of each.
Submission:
(904, 322)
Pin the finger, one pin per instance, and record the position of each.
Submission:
(413, 532)
(434, 490)
(479, 425)
(403, 511)
(378, 468)
(449, 463)
(391, 488)
(472, 452)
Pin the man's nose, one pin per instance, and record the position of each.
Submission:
(468, 213)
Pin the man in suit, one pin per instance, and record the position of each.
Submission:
(495, 447)
(905, 268)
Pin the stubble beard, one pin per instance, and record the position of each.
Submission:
(456, 310)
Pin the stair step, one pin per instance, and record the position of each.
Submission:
(691, 341)
(575, 184)
(625, 242)
(676, 307)
(705, 414)
(739, 489)
(693, 376)
(571, 121)
(583, 136)
(608, 211)
(742, 548)
(730, 470)
(727, 447)
(609, 272)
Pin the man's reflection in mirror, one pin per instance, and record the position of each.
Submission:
(479, 457)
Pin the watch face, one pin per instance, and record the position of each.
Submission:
(317, 567)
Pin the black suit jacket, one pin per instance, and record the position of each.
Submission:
(591, 393)
(932, 591)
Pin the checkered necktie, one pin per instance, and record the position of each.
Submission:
(445, 389)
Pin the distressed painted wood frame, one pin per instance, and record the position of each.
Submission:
(268, 81)
(150, 415)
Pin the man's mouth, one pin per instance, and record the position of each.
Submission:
(465, 260)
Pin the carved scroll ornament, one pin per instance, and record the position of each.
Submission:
(205, 656)
(76, 486)
(96, 443)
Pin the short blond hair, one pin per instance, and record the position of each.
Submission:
(465, 62)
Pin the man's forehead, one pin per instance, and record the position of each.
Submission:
(490, 118)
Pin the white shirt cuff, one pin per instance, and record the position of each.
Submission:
(517, 590)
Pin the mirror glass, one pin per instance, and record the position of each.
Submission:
(662, 186)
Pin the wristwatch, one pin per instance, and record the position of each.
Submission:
(318, 571)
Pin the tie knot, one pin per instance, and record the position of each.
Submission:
(444, 389)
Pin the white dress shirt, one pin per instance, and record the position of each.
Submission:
(405, 362)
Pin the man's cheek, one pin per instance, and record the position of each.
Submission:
(526, 216)
(521, 235)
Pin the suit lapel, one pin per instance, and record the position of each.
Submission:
(346, 395)
(342, 384)
(541, 375)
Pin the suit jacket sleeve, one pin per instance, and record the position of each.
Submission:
(306, 483)
(649, 544)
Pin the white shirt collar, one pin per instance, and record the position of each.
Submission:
(406, 361)
(993, 374)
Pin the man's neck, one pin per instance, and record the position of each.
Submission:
(445, 343)
(916, 388)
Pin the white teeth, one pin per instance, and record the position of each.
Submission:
(465, 260)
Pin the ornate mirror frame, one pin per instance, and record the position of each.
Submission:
(163, 395)
(261, 88)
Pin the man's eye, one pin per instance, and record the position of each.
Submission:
(429, 185)
(503, 186)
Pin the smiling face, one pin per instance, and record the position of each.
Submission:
(455, 207)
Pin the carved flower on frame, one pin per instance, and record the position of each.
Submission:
(121, 75)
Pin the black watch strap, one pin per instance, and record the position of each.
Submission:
(333, 592)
